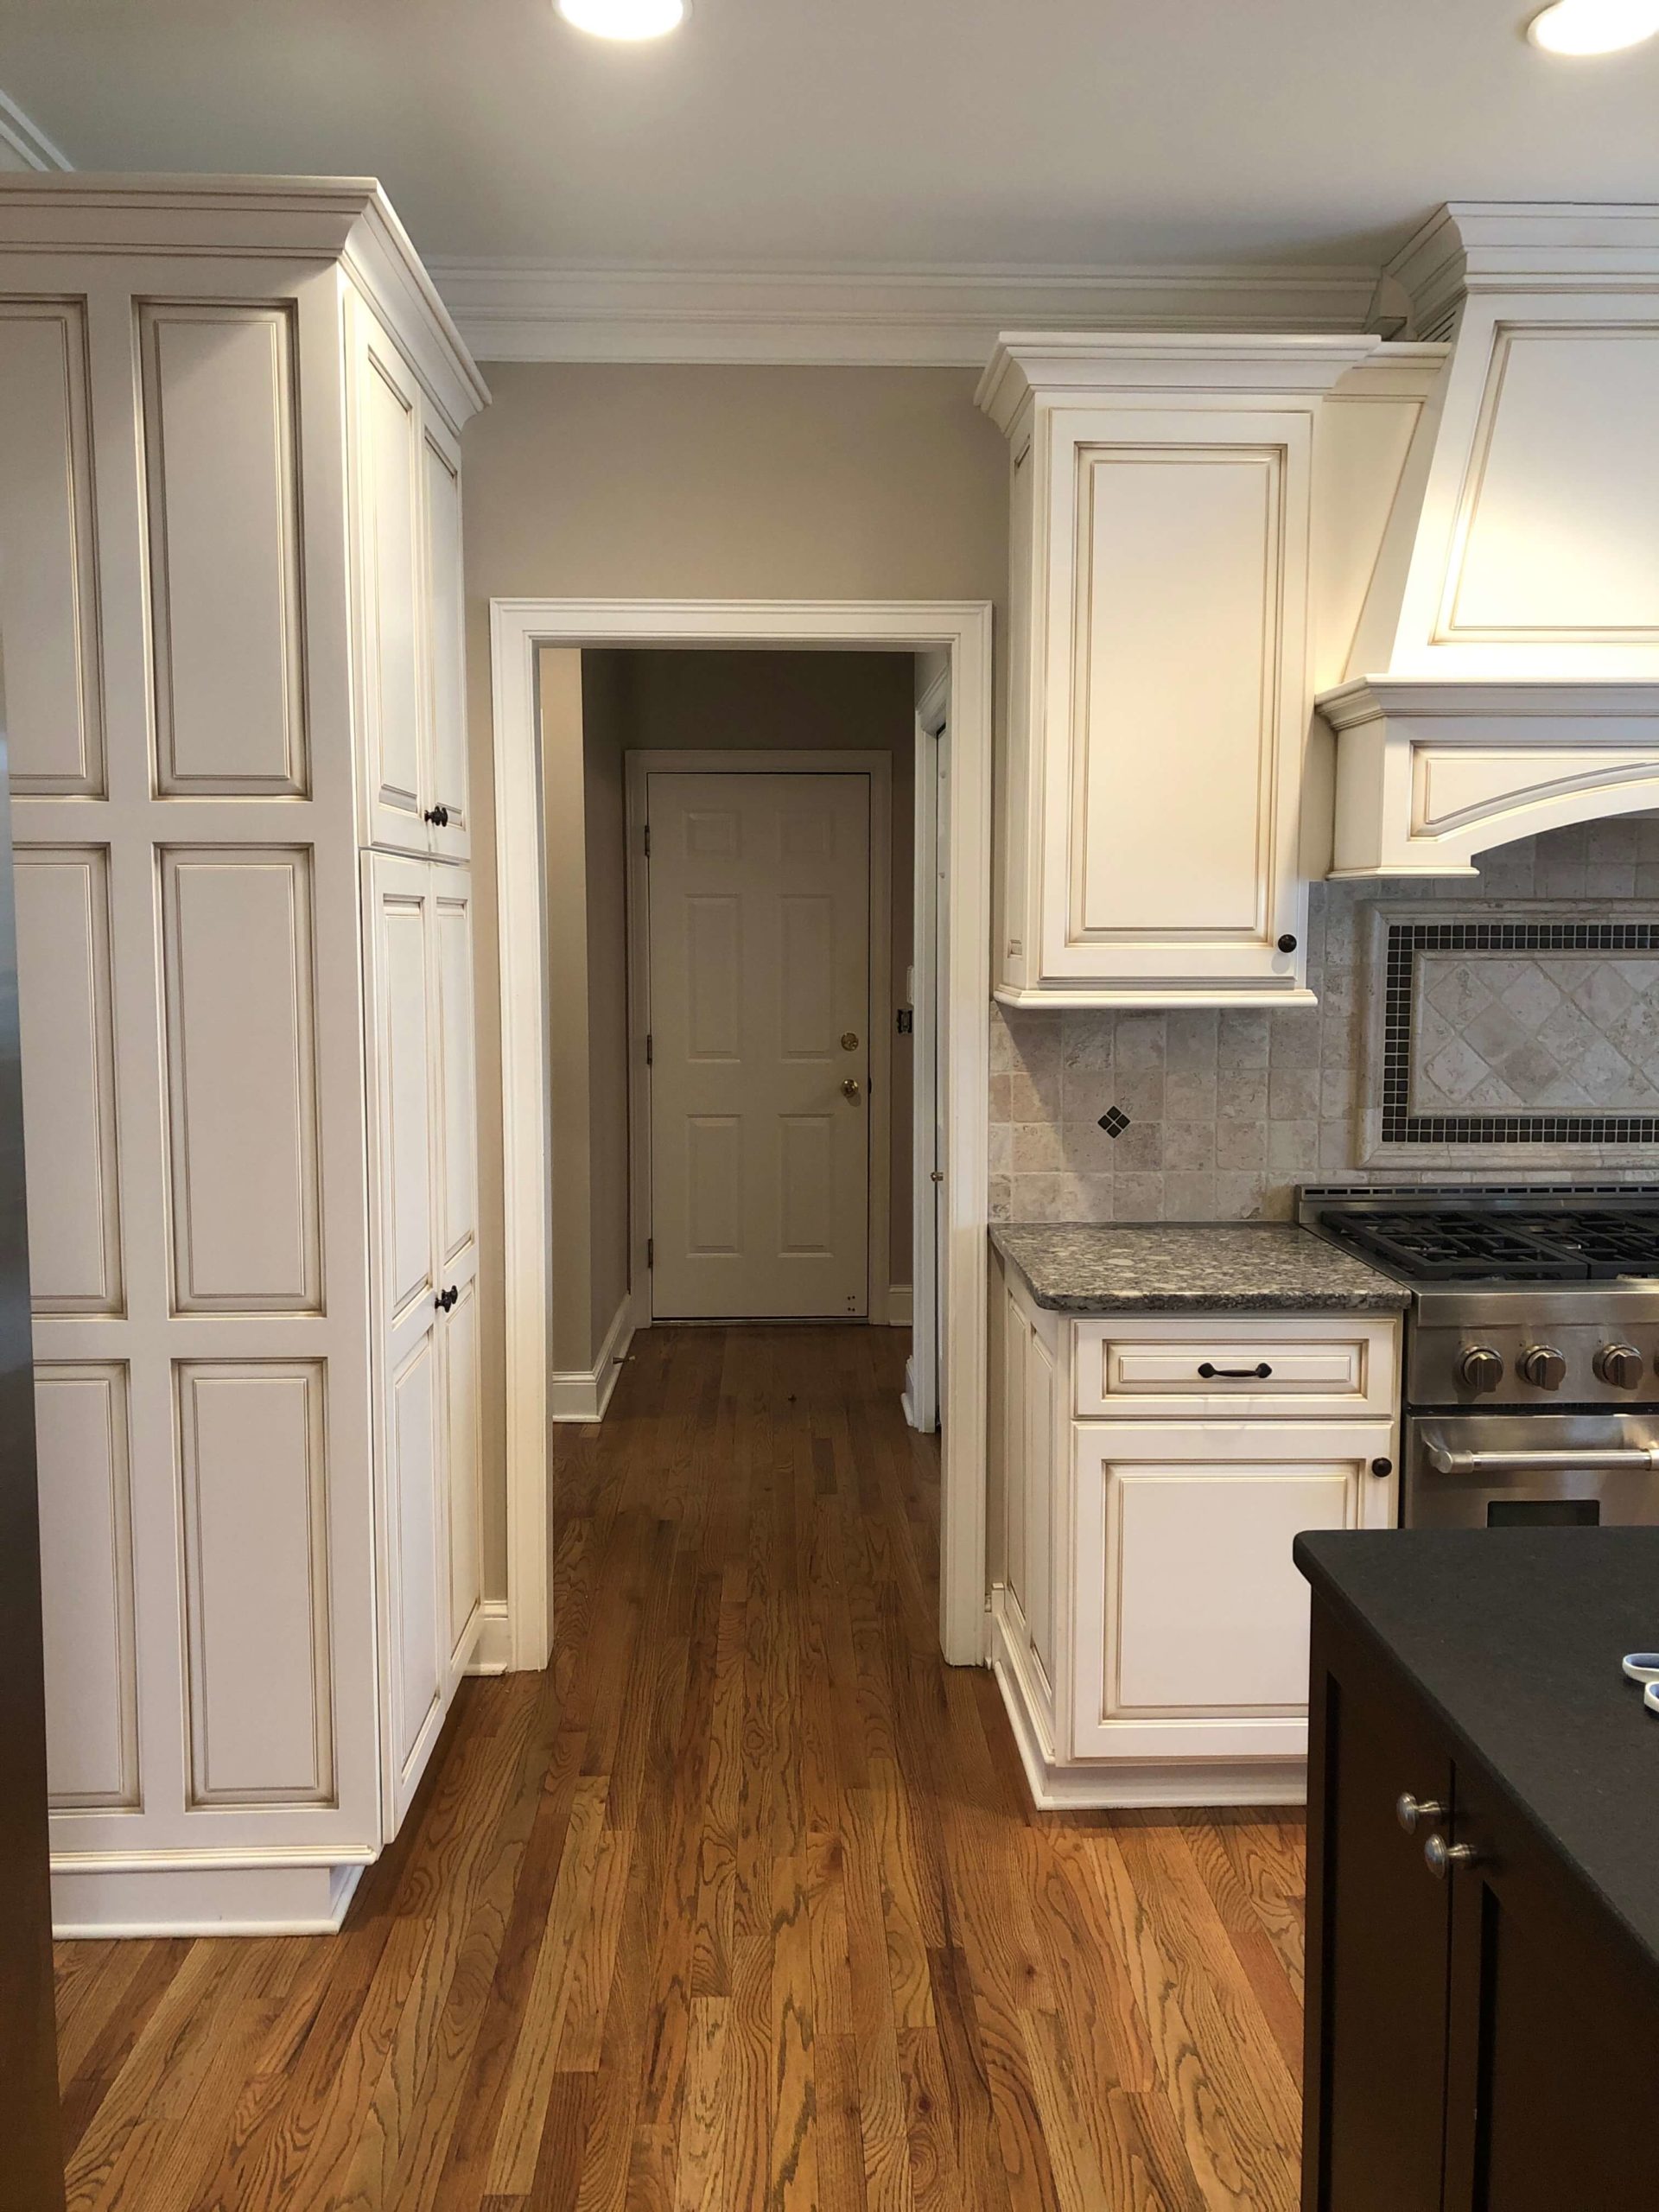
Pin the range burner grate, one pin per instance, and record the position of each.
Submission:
(1457, 1244)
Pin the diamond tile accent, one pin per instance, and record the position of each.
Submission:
(1114, 1122)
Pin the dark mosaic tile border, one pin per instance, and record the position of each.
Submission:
(1406, 941)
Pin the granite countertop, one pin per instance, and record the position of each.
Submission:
(1192, 1267)
(1514, 1637)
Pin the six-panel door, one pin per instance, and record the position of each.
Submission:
(760, 960)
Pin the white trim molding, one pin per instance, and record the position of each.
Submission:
(1431, 770)
(202, 1893)
(518, 629)
(892, 316)
(900, 1303)
(27, 139)
(582, 1393)
(492, 1653)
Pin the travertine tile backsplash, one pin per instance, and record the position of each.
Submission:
(1229, 1110)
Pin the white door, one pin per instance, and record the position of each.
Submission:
(759, 959)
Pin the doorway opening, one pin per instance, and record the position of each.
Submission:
(849, 1210)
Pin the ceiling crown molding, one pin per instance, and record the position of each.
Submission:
(28, 141)
(869, 316)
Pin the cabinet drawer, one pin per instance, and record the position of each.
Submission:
(1319, 1368)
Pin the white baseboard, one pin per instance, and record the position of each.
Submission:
(900, 1304)
(584, 1393)
(173, 1897)
(1058, 1785)
(492, 1653)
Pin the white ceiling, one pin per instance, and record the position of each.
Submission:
(802, 133)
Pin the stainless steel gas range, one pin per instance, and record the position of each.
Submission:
(1531, 1371)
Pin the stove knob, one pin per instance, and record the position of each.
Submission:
(1481, 1368)
(1619, 1364)
(1543, 1367)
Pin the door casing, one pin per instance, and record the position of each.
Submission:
(519, 630)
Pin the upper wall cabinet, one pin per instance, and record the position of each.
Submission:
(1150, 791)
(407, 493)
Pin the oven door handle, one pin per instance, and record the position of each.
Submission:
(1610, 1460)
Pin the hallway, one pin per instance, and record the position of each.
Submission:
(741, 1904)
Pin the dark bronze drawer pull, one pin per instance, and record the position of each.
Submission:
(1259, 1374)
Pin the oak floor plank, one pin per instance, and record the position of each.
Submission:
(740, 1907)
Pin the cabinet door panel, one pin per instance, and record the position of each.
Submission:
(81, 1420)
(254, 1515)
(393, 594)
(405, 1075)
(1549, 2084)
(1378, 1935)
(458, 1206)
(65, 994)
(223, 558)
(49, 602)
(446, 690)
(1190, 1618)
(242, 1079)
(417, 1683)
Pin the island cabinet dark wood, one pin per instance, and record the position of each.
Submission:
(1482, 2034)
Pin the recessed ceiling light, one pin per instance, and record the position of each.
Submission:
(1594, 26)
(625, 19)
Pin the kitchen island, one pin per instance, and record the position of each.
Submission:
(1171, 1405)
(1483, 1913)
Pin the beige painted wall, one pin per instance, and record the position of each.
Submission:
(585, 481)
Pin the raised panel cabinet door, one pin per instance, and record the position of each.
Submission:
(49, 578)
(84, 1448)
(1549, 2099)
(410, 1327)
(1041, 1389)
(446, 704)
(65, 987)
(238, 978)
(218, 390)
(254, 1524)
(1176, 686)
(1378, 1928)
(462, 1536)
(1189, 1607)
(760, 960)
(392, 590)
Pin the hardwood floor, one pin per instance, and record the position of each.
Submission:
(741, 1905)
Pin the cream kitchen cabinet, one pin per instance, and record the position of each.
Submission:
(1150, 1632)
(1150, 788)
(406, 493)
(248, 1075)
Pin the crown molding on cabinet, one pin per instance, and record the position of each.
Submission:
(867, 316)
(1485, 245)
(27, 140)
(347, 219)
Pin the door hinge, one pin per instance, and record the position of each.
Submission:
(651, 1251)
(648, 1049)
(647, 840)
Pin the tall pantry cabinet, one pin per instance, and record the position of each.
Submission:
(230, 612)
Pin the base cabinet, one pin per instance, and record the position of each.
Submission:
(1150, 1627)
(1475, 2042)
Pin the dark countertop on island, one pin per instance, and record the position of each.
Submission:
(1514, 1637)
(1192, 1267)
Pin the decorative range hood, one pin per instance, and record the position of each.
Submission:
(1504, 674)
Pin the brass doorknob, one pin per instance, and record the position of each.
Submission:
(850, 1088)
